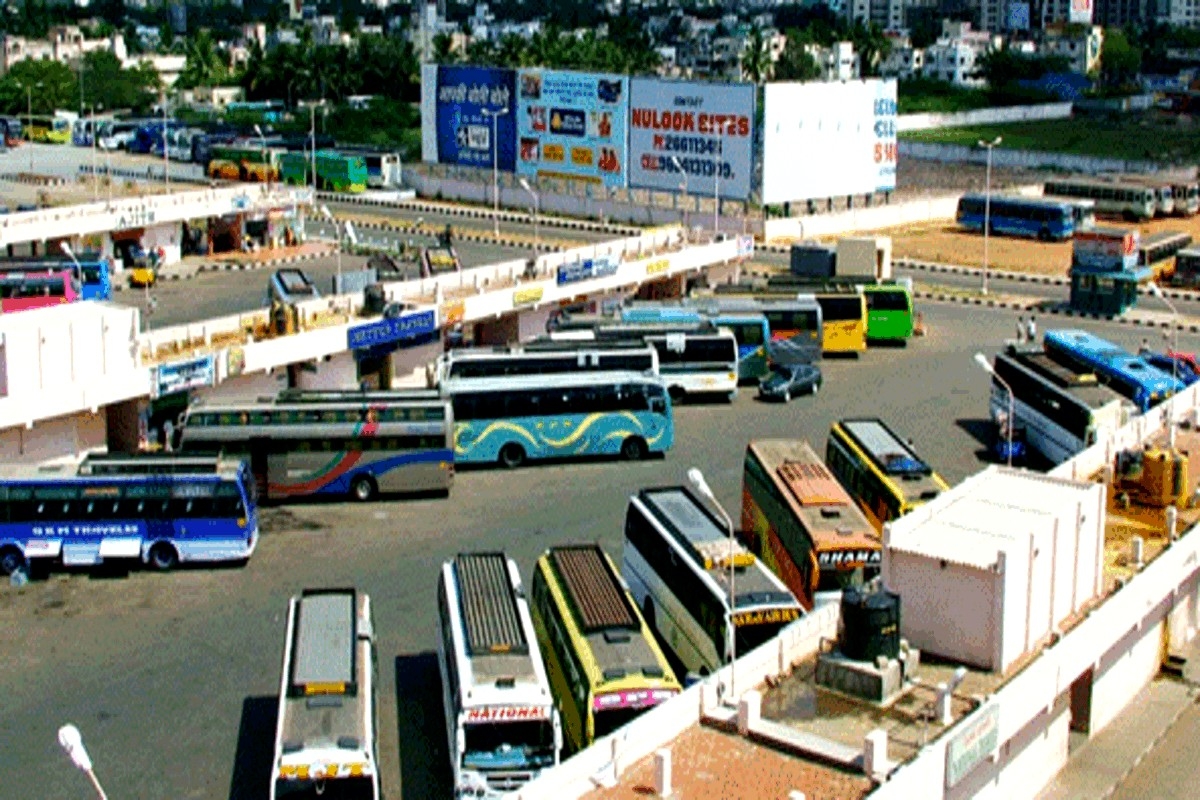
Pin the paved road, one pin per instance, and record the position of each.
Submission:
(1171, 771)
(171, 678)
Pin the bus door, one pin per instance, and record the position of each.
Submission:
(259, 464)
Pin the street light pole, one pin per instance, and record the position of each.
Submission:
(496, 114)
(987, 205)
(29, 124)
(696, 478)
(1157, 291)
(337, 230)
(166, 154)
(312, 125)
(95, 175)
(536, 211)
(72, 742)
(982, 361)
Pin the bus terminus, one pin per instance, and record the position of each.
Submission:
(161, 510)
(326, 736)
(1062, 412)
(333, 442)
(501, 722)
(546, 357)
(605, 666)
(799, 519)
(750, 329)
(1128, 374)
(1048, 219)
(507, 420)
(707, 596)
(879, 470)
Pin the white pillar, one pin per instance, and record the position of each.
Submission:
(1136, 551)
(1172, 523)
(875, 752)
(662, 772)
(749, 711)
(944, 711)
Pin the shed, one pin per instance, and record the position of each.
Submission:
(987, 571)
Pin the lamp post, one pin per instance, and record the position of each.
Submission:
(72, 742)
(982, 361)
(166, 153)
(262, 154)
(536, 210)
(337, 230)
(696, 478)
(1157, 291)
(683, 185)
(495, 114)
(987, 205)
(66, 248)
(95, 175)
(29, 109)
(312, 132)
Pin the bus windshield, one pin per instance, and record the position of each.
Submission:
(750, 637)
(508, 745)
(614, 718)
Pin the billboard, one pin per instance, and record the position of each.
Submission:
(828, 139)
(708, 128)
(1081, 12)
(471, 105)
(572, 125)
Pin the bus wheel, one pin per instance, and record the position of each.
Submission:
(362, 488)
(512, 455)
(676, 393)
(163, 557)
(633, 449)
(12, 561)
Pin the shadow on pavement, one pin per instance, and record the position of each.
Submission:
(255, 746)
(420, 722)
(982, 431)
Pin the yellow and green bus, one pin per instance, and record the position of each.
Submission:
(889, 303)
(882, 472)
(48, 130)
(843, 311)
(335, 172)
(604, 664)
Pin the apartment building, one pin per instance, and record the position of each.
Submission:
(1081, 49)
(64, 43)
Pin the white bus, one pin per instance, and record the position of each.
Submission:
(692, 359)
(547, 357)
(501, 722)
(1130, 201)
(326, 737)
(1062, 412)
(682, 567)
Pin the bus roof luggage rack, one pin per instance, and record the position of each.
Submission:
(325, 637)
(298, 396)
(593, 589)
(491, 627)
(147, 464)
(811, 484)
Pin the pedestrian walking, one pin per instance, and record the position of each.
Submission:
(1020, 329)
(1032, 329)
(168, 436)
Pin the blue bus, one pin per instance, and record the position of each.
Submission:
(750, 329)
(1048, 220)
(149, 137)
(512, 419)
(95, 281)
(162, 510)
(1130, 375)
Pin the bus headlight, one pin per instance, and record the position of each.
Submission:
(302, 772)
(356, 770)
(287, 772)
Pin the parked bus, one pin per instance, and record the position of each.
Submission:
(547, 357)
(1042, 218)
(501, 723)
(1062, 412)
(799, 520)
(1128, 374)
(14, 132)
(682, 565)
(1186, 271)
(605, 666)
(335, 172)
(1158, 250)
(161, 510)
(84, 130)
(1129, 201)
(37, 288)
(797, 331)
(749, 329)
(1176, 196)
(354, 443)
(149, 137)
(692, 361)
(843, 312)
(889, 303)
(511, 419)
(384, 170)
(244, 162)
(327, 734)
(48, 130)
(883, 474)
(91, 271)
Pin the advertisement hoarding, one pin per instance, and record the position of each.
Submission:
(1081, 12)
(471, 105)
(828, 139)
(572, 125)
(179, 376)
(707, 127)
(388, 331)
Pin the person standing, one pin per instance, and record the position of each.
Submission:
(1032, 329)
(1020, 329)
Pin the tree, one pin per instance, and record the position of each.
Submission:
(795, 62)
(106, 84)
(207, 65)
(756, 59)
(443, 49)
(1120, 61)
(49, 84)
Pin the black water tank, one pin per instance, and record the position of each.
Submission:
(813, 261)
(870, 624)
(374, 299)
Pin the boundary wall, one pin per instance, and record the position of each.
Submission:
(983, 116)
(1025, 159)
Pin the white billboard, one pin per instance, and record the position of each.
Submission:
(1081, 12)
(707, 129)
(828, 139)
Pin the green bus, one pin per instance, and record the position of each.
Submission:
(889, 303)
(335, 171)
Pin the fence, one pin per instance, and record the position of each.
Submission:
(1023, 159)
(983, 116)
(860, 219)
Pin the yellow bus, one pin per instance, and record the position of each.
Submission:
(882, 472)
(843, 320)
(605, 666)
(51, 130)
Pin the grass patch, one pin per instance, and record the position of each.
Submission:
(1150, 137)
(925, 96)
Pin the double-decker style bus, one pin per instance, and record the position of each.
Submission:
(1129, 201)
(691, 360)
(501, 723)
(326, 735)
(1128, 374)
(161, 510)
(749, 329)
(1041, 218)
(332, 442)
(881, 472)
(799, 520)
(797, 331)
(40, 287)
(889, 303)
(93, 276)
(547, 357)
(509, 420)
(605, 666)
(708, 597)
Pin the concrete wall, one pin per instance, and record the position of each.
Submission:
(983, 116)
(873, 218)
(409, 364)
(243, 387)
(1130, 664)
(1022, 159)
(336, 372)
(52, 438)
(1025, 763)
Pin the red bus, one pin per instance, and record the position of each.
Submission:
(22, 291)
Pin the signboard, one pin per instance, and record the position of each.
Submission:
(395, 329)
(180, 376)
(453, 313)
(506, 713)
(587, 269)
(766, 616)
(466, 106)
(658, 266)
(849, 559)
(828, 139)
(235, 362)
(974, 742)
(572, 125)
(525, 297)
(708, 128)
(633, 698)
(745, 246)
(1081, 12)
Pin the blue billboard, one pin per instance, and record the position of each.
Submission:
(388, 331)
(472, 105)
(572, 125)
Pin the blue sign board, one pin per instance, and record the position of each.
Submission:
(180, 376)
(473, 105)
(396, 329)
(587, 269)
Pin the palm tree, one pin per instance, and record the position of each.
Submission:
(756, 60)
(206, 64)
